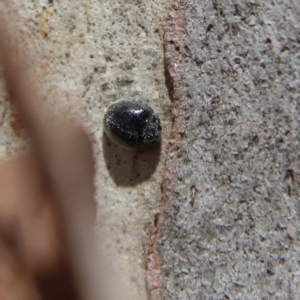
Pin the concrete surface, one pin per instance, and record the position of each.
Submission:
(230, 226)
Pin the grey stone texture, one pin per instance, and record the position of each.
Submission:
(87, 55)
(230, 227)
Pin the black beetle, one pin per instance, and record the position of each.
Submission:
(132, 124)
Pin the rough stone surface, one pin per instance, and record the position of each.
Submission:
(230, 227)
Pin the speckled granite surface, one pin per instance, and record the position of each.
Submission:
(231, 191)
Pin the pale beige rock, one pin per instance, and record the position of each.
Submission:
(89, 54)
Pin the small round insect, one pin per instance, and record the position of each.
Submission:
(132, 124)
